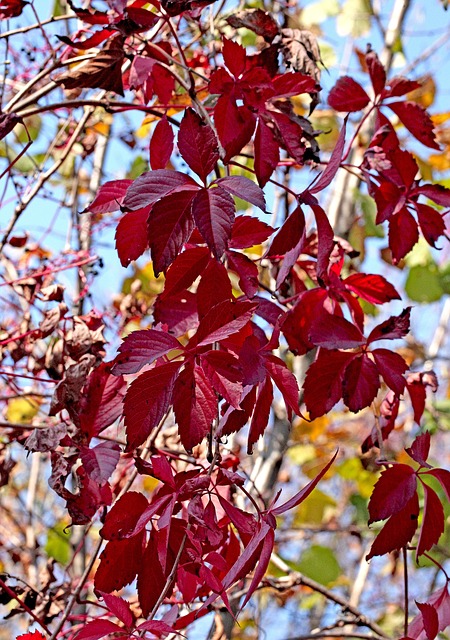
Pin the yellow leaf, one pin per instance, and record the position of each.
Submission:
(424, 95)
(22, 410)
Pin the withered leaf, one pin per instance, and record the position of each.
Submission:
(102, 72)
(45, 439)
(301, 51)
(257, 21)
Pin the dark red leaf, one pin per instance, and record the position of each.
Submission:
(151, 580)
(11, 9)
(247, 271)
(376, 72)
(248, 231)
(161, 144)
(131, 235)
(185, 269)
(178, 312)
(245, 189)
(225, 374)
(297, 322)
(124, 515)
(195, 406)
(8, 120)
(154, 185)
(214, 288)
(403, 234)
(293, 84)
(430, 619)
(261, 412)
(197, 144)
(435, 192)
(141, 348)
(391, 367)
(213, 211)
(235, 125)
(93, 630)
(101, 400)
(348, 95)
(325, 236)
(399, 86)
(335, 332)
(264, 559)
(109, 197)
(333, 164)
(420, 449)
(373, 288)
(146, 402)
(100, 461)
(433, 521)
(393, 490)
(392, 328)
(440, 601)
(443, 477)
(323, 381)
(120, 561)
(299, 497)
(417, 121)
(361, 383)
(267, 153)
(285, 381)
(431, 223)
(289, 235)
(398, 530)
(223, 320)
(119, 607)
(234, 56)
(170, 225)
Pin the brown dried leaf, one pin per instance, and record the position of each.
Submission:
(257, 21)
(102, 72)
(301, 51)
(45, 439)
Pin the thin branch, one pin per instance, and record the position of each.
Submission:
(38, 25)
(405, 583)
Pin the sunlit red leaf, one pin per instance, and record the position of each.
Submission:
(100, 461)
(431, 223)
(120, 562)
(323, 381)
(430, 619)
(234, 56)
(223, 320)
(420, 448)
(101, 400)
(348, 95)
(393, 490)
(361, 383)
(417, 121)
(373, 288)
(141, 348)
(96, 630)
(123, 516)
(154, 185)
(109, 196)
(267, 153)
(197, 144)
(213, 211)
(248, 231)
(131, 235)
(261, 412)
(398, 530)
(161, 145)
(433, 522)
(440, 601)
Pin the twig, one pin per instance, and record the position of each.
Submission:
(38, 25)
(24, 606)
(405, 582)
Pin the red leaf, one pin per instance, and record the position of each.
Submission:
(333, 165)
(440, 601)
(158, 628)
(433, 522)
(361, 383)
(214, 287)
(261, 412)
(247, 271)
(323, 381)
(32, 635)
(325, 236)
(120, 561)
(178, 312)
(151, 580)
(258, 21)
(234, 56)
(376, 72)
(335, 332)
(289, 234)
(391, 367)
(418, 396)
(119, 607)
(267, 153)
(146, 402)
(195, 406)
(248, 231)
(431, 223)
(222, 321)
(225, 374)
(245, 189)
(141, 348)
(435, 192)
(348, 95)
(417, 121)
(100, 461)
(392, 328)
(373, 288)
(398, 530)
(297, 322)
(161, 144)
(235, 125)
(420, 449)
(131, 235)
(169, 226)
(394, 489)
(124, 515)
(285, 381)
(8, 121)
(443, 476)
(101, 400)
(430, 619)
(304, 493)
(264, 559)
(109, 197)
(403, 234)
(95, 630)
(213, 211)
(293, 84)
(197, 144)
(399, 87)
(154, 185)
(185, 269)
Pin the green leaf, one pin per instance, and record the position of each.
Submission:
(317, 509)
(423, 284)
(320, 564)
(58, 544)
(138, 166)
